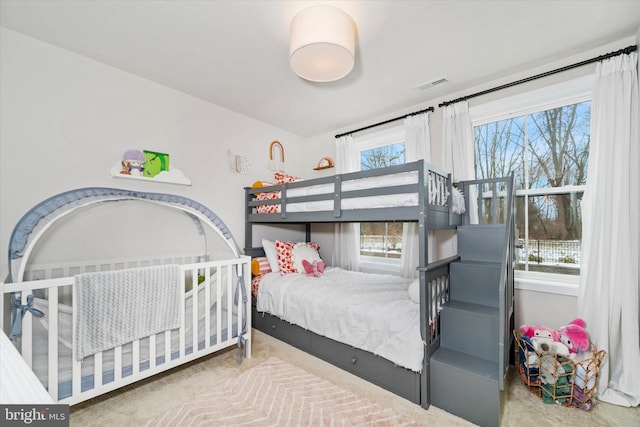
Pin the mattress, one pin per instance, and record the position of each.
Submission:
(65, 331)
(372, 312)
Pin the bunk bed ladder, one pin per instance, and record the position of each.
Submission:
(467, 371)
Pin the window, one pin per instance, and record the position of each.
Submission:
(381, 240)
(547, 148)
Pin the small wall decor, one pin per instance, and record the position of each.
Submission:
(324, 163)
(132, 163)
(155, 163)
(276, 165)
(239, 163)
(148, 165)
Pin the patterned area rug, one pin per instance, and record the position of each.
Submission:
(276, 393)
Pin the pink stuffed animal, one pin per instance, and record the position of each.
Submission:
(313, 269)
(575, 336)
(540, 332)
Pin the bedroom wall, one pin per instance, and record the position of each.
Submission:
(67, 120)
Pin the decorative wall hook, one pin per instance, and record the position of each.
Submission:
(272, 163)
(239, 163)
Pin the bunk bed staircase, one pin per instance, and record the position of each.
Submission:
(467, 371)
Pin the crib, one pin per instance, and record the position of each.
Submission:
(211, 308)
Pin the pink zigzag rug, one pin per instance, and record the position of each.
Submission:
(276, 393)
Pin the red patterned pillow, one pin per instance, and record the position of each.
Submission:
(268, 209)
(283, 250)
(283, 178)
(255, 285)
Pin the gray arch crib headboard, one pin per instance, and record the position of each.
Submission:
(32, 226)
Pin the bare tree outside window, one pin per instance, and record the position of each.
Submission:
(549, 153)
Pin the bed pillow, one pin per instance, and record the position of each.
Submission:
(283, 178)
(285, 261)
(260, 266)
(304, 252)
(271, 254)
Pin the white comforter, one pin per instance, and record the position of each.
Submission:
(372, 312)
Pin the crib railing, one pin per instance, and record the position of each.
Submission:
(215, 281)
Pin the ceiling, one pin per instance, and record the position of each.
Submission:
(235, 53)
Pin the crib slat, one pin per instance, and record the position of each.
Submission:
(194, 311)
(229, 269)
(207, 311)
(97, 370)
(27, 334)
(218, 304)
(117, 364)
(182, 318)
(53, 343)
(135, 358)
(152, 351)
(167, 346)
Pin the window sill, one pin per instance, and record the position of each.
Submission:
(548, 283)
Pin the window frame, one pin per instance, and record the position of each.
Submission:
(381, 138)
(565, 93)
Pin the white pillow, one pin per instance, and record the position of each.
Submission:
(271, 254)
(301, 251)
(458, 201)
(414, 291)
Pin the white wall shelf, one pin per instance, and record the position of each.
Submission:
(173, 176)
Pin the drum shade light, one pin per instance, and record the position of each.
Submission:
(322, 44)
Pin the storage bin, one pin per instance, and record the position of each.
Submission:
(569, 381)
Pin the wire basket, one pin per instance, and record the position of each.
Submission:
(556, 378)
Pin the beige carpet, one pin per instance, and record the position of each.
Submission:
(276, 393)
(136, 404)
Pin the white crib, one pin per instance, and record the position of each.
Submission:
(214, 316)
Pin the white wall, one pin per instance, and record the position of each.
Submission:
(66, 120)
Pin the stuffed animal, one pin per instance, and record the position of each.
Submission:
(314, 268)
(540, 332)
(575, 336)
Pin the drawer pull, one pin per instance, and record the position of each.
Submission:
(273, 327)
(354, 360)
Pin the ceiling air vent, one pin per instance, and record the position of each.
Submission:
(432, 83)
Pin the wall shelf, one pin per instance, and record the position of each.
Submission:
(173, 176)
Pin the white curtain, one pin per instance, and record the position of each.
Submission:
(418, 146)
(457, 151)
(346, 241)
(608, 297)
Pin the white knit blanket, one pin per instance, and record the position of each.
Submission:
(117, 307)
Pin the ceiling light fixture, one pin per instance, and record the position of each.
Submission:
(322, 43)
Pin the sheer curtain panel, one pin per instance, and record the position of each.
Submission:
(346, 241)
(418, 146)
(608, 297)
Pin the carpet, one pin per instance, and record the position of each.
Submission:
(276, 393)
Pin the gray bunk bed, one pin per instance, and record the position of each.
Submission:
(430, 204)
(475, 311)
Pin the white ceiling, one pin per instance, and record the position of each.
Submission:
(235, 53)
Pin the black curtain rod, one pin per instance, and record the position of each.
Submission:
(626, 50)
(431, 109)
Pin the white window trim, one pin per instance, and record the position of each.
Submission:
(565, 93)
(366, 142)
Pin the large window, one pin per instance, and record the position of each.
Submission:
(381, 240)
(548, 150)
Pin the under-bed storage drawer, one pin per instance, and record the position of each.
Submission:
(281, 330)
(375, 369)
